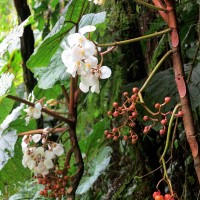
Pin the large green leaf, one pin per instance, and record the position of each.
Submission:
(70, 17)
(55, 71)
(95, 139)
(97, 167)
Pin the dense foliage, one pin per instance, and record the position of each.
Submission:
(89, 112)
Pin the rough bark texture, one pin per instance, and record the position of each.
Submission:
(27, 43)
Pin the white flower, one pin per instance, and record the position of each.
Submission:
(92, 80)
(36, 138)
(48, 163)
(26, 159)
(41, 169)
(33, 112)
(5, 83)
(49, 154)
(79, 50)
(58, 149)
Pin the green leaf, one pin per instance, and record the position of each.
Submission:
(55, 71)
(13, 173)
(92, 19)
(98, 166)
(52, 93)
(95, 138)
(70, 17)
(15, 34)
(5, 108)
(7, 143)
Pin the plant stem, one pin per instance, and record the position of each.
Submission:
(155, 69)
(169, 130)
(40, 131)
(188, 121)
(135, 39)
(150, 5)
(45, 110)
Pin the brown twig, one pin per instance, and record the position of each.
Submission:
(40, 131)
(45, 110)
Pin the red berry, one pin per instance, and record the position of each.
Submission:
(41, 192)
(163, 121)
(125, 94)
(134, 97)
(157, 105)
(132, 107)
(145, 118)
(135, 90)
(115, 138)
(180, 113)
(167, 99)
(146, 129)
(125, 137)
(116, 114)
(156, 194)
(134, 114)
(114, 130)
(115, 104)
(106, 132)
(132, 124)
(162, 131)
(109, 136)
(109, 113)
(159, 197)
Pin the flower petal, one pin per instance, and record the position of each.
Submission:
(87, 29)
(36, 138)
(83, 88)
(49, 154)
(48, 163)
(105, 72)
(58, 149)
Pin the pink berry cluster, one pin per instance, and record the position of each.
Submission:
(127, 111)
(55, 184)
(159, 117)
(157, 196)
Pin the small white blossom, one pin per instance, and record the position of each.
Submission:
(36, 138)
(58, 149)
(5, 83)
(33, 112)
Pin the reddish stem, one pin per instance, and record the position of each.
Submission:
(188, 121)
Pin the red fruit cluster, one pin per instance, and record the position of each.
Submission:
(55, 184)
(128, 112)
(157, 196)
(159, 117)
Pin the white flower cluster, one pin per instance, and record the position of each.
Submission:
(79, 58)
(39, 159)
(5, 83)
(98, 2)
(33, 112)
